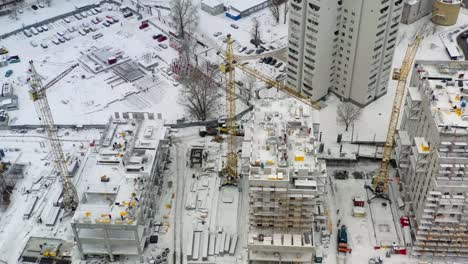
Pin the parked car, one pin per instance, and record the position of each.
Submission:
(242, 49)
(45, 28)
(127, 15)
(157, 36)
(67, 37)
(110, 21)
(115, 20)
(39, 29)
(33, 43)
(41, 5)
(62, 40)
(44, 45)
(98, 9)
(259, 51)
(279, 64)
(61, 33)
(8, 73)
(162, 45)
(34, 31)
(3, 51)
(13, 59)
(82, 32)
(273, 62)
(27, 33)
(89, 13)
(84, 15)
(67, 20)
(283, 69)
(217, 34)
(106, 24)
(93, 11)
(261, 60)
(161, 39)
(77, 16)
(267, 60)
(234, 26)
(56, 41)
(250, 51)
(98, 35)
(143, 26)
(34, 7)
(109, 16)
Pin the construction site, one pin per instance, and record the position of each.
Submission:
(127, 138)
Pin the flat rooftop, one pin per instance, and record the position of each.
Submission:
(112, 178)
(446, 85)
(281, 142)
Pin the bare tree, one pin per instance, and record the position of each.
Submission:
(285, 11)
(275, 9)
(187, 49)
(255, 33)
(184, 13)
(199, 93)
(250, 86)
(347, 113)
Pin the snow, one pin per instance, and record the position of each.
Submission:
(30, 16)
(211, 3)
(91, 101)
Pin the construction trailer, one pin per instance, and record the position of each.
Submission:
(286, 182)
(114, 216)
(431, 151)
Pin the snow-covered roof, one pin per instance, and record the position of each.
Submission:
(242, 5)
(126, 161)
(212, 3)
(446, 88)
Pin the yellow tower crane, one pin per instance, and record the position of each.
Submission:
(230, 171)
(380, 180)
(39, 97)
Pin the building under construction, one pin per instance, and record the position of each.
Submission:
(286, 183)
(120, 191)
(431, 151)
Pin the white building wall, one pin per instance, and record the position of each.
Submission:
(347, 47)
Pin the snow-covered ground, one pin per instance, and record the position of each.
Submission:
(90, 100)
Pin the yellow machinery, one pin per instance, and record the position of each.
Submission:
(39, 97)
(228, 68)
(230, 171)
(380, 180)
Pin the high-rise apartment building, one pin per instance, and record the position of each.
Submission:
(415, 9)
(345, 47)
(431, 151)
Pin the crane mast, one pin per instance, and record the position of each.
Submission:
(39, 97)
(380, 180)
(230, 171)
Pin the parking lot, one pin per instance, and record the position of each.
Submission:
(84, 93)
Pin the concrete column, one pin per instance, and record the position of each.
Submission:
(109, 248)
(80, 248)
(137, 242)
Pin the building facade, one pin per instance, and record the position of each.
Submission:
(345, 47)
(415, 9)
(286, 184)
(431, 151)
